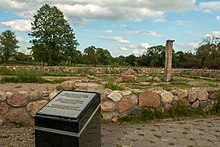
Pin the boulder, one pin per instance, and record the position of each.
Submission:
(166, 97)
(108, 106)
(203, 104)
(107, 116)
(34, 95)
(134, 99)
(192, 96)
(202, 95)
(213, 96)
(19, 116)
(3, 108)
(33, 107)
(2, 96)
(135, 111)
(115, 96)
(18, 100)
(67, 85)
(195, 104)
(167, 107)
(1, 122)
(149, 99)
(124, 105)
(182, 93)
(126, 92)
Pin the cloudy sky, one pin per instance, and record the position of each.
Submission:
(121, 26)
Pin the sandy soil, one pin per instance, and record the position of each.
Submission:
(27, 87)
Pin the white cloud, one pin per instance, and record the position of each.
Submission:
(213, 34)
(123, 48)
(181, 22)
(18, 25)
(145, 45)
(218, 18)
(115, 38)
(187, 46)
(22, 40)
(108, 31)
(81, 10)
(138, 52)
(210, 6)
(143, 32)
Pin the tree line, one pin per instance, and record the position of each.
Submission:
(54, 43)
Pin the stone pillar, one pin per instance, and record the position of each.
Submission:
(168, 60)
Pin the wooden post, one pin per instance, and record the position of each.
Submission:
(168, 60)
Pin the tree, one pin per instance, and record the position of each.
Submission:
(189, 60)
(90, 55)
(103, 56)
(156, 56)
(8, 45)
(209, 53)
(131, 59)
(22, 57)
(53, 39)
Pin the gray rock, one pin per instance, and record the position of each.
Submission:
(213, 96)
(203, 104)
(192, 96)
(115, 96)
(134, 99)
(135, 111)
(126, 92)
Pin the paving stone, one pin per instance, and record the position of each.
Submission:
(188, 142)
(122, 142)
(141, 144)
(204, 143)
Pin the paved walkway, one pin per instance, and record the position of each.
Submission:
(188, 133)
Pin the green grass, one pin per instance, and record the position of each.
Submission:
(113, 86)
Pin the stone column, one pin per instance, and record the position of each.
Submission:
(168, 60)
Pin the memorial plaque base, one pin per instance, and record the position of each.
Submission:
(59, 131)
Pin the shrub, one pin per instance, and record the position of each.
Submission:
(113, 86)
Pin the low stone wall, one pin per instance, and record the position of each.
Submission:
(114, 70)
(21, 107)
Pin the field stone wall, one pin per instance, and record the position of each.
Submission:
(104, 69)
(21, 107)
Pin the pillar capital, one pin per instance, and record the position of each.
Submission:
(170, 41)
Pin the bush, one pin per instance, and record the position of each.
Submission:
(113, 86)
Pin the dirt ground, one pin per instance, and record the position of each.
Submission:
(16, 87)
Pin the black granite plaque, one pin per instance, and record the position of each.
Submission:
(68, 104)
(71, 118)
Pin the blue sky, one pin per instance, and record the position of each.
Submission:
(122, 26)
